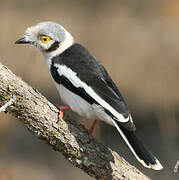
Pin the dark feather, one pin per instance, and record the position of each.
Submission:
(141, 151)
(90, 71)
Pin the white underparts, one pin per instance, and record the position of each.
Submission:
(82, 107)
(76, 103)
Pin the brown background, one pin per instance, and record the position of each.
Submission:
(137, 41)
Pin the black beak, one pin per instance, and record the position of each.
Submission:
(22, 41)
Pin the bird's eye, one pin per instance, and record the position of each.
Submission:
(45, 39)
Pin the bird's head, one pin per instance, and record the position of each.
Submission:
(49, 37)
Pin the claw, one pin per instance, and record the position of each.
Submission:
(62, 109)
(61, 114)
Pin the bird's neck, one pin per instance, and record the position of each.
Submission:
(68, 42)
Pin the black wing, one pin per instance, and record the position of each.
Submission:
(90, 71)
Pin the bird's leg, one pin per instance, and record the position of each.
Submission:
(62, 109)
(92, 128)
(61, 115)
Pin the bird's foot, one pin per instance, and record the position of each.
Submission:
(91, 129)
(62, 109)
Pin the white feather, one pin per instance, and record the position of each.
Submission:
(76, 103)
(82, 107)
(74, 79)
(157, 166)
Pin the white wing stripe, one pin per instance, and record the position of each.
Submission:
(73, 78)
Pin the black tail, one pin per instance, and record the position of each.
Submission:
(143, 155)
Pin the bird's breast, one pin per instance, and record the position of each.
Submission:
(76, 103)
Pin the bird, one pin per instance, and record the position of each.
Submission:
(85, 86)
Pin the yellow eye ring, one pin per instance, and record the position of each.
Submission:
(45, 39)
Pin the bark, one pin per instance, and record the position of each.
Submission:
(65, 136)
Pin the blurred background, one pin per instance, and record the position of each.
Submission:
(137, 41)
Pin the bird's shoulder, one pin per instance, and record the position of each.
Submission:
(84, 64)
(80, 60)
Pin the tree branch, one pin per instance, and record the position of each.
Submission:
(67, 137)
